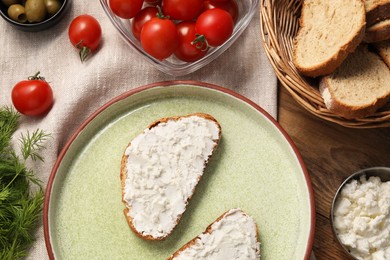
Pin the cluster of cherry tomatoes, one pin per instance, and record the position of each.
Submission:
(184, 28)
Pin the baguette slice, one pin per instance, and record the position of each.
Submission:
(376, 10)
(358, 87)
(383, 49)
(329, 30)
(378, 32)
(233, 235)
(160, 169)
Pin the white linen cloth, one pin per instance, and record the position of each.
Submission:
(81, 88)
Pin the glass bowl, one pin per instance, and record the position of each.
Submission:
(172, 65)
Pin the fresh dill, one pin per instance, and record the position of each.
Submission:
(21, 193)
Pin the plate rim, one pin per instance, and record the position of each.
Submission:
(166, 84)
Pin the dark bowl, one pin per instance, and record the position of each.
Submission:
(36, 27)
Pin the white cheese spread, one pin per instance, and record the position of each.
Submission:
(362, 218)
(163, 167)
(234, 236)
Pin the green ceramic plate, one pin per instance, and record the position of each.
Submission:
(256, 168)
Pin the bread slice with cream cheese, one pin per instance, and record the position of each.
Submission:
(160, 169)
(359, 87)
(329, 31)
(233, 235)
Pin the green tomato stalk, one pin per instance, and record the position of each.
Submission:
(84, 51)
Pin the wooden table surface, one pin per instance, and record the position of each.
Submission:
(331, 153)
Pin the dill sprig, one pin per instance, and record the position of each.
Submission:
(20, 206)
(31, 144)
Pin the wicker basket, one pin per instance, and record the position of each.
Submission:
(279, 25)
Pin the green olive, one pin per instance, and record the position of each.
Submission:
(52, 6)
(10, 2)
(35, 10)
(17, 13)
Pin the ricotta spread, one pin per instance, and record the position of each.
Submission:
(163, 167)
(234, 236)
(362, 218)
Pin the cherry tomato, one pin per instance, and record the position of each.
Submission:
(229, 6)
(182, 9)
(141, 18)
(220, 1)
(153, 2)
(32, 97)
(216, 25)
(126, 9)
(85, 34)
(159, 37)
(188, 50)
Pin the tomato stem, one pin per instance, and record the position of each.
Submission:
(84, 51)
(36, 77)
(200, 42)
(160, 13)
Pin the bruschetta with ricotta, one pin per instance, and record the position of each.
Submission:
(233, 235)
(160, 169)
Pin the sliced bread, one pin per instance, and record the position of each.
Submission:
(376, 10)
(378, 32)
(233, 235)
(383, 49)
(160, 169)
(358, 87)
(329, 30)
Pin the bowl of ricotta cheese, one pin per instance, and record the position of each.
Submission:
(360, 214)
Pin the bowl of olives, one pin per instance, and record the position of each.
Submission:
(33, 15)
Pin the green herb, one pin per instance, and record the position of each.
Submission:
(21, 193)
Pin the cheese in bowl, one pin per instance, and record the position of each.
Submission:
(361, 217)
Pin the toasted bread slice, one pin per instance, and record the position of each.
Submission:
(383, 49)
(233, 235)
(160, 169)
(378, 32)
(376, 10)
(329, 31)
(358, 87)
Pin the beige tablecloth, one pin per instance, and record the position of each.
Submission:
(81, 88)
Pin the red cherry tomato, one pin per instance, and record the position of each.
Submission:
(159, 38)
(182, 9)
(126, 9)
(187, 50)
(216, 25)
(220, 1)
(85, 34)
(141, 18)
(32, 97)
(229, 6)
